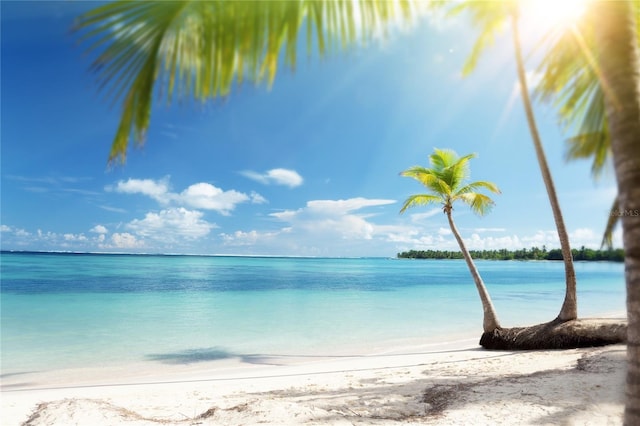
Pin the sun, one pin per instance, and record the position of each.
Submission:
(554, 14)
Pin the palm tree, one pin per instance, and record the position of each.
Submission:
(203, 49)
(570, 81)
(591, 72)
(489, 17)
(617, 66)
(446, 183)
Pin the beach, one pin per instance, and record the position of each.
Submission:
(453, 383)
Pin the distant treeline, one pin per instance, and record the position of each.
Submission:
(613, 255)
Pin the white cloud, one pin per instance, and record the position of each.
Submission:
(257, 198)
(99, 229)
(75, 237)
(421, 217)
(171, 225)
(333, 218)
(208, 197)
(200, 195)
(341, 207)
(112, 209)
(480, 230)
(417, 238)
(158, 190)
(444, 231)
(5, 228)
(285, 177)
(321, 228)
(124, 240)
(22, 233)
(241, 238)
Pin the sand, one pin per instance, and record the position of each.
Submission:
(448, 384)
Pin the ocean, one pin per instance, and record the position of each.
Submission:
(66, 311)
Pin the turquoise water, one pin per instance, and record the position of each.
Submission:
(69, 310)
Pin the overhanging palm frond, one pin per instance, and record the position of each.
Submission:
(595, 146)
(200, 49)
(573, 85)
(614, 219)
(490, 16)
(420, 200)
(570, 81)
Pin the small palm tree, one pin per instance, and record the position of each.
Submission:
(446, 182)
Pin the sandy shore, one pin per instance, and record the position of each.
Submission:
(452, 384)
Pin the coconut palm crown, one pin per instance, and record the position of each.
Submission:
(446, 182)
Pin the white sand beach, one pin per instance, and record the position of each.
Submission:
(446, 384)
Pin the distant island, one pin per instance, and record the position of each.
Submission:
(535, 253)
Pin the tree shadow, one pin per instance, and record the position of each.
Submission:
(193, 356)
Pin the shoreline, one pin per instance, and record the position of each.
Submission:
(227, 368)
(435, 383)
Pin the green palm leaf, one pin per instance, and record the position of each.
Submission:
(420, 200)
(428, 178)
(474, 186)
(490, 16)
(200, 49)
(480, 204)
(570, 81)
(446, 182)
(614, 219)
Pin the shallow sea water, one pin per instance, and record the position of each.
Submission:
(78, 310)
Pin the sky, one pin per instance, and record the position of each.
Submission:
(307, 167)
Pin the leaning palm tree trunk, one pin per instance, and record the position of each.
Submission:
(490, 318)
(618, 62)
(569, 310)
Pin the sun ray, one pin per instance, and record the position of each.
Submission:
(594, 65)
(554, 14)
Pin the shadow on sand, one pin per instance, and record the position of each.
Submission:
(192, 356)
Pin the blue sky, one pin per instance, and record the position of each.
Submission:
(309, 167)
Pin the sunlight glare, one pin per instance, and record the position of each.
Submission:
(554, 14)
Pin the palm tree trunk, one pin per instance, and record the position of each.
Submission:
(569, 310)
(490, 318)
(618, 61)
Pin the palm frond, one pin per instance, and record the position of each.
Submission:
(489, 17)
(596, 146)
(421, 200)
(458, 172)
(612, 221)
(474, 186)
(570, 81)
(446, 182)
(428, 178)
(201, 49)
(479, 203)
(442, 158)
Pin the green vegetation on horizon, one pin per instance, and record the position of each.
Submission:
(611, 255)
